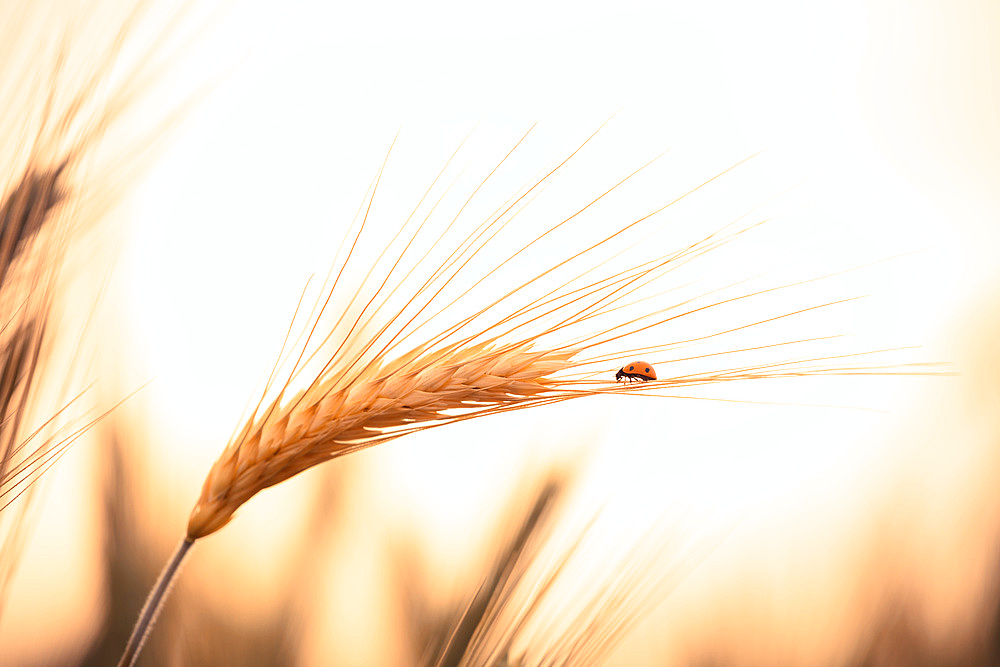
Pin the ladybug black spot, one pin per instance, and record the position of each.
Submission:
(631, 368)
(647, 370)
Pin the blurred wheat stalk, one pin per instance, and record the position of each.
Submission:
(68, 152)
(529, 606)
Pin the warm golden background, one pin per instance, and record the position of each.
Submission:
(802, 535)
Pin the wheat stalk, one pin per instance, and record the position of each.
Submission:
(531, 346)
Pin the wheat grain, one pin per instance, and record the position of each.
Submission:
(324, 422)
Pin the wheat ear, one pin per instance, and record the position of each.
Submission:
(69, 148)
(327, 420)
(533, 345)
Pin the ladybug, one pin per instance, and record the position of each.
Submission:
(637, 370)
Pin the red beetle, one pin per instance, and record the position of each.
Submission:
(636, 370)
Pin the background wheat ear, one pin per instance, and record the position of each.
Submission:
(48, 201)
(70, 147)
(27, 272)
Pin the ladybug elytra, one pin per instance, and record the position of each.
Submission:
(636, 370)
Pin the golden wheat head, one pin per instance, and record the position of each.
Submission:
(327, 420)
(516, 352)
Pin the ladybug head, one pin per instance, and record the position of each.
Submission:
(620, 374)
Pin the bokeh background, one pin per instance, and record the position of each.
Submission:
(858, 526)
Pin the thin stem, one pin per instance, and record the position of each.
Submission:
(150, 610)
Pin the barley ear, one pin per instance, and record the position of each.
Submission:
(331, 419)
